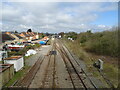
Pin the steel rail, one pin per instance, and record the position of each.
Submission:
(26, 81)
(64, 53)
(46, 70)
(75, 70)
(66, 67)
(82, 69)
(94, 85)
(28, 78)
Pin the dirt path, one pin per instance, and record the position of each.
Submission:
(42, 51)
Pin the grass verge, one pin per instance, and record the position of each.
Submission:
(17, 76)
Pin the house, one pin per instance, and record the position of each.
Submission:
(7, 39)
(36, 36)
(13, 37)
(29, 35)
(46, 38)
(6, 73)
(18, 62)
(16, 36)
(33, 35)
(25, 36)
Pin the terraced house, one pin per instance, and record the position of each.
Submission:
(7, 39)
(29, 35)
(17, 37)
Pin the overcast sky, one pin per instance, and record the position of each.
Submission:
(58, 16)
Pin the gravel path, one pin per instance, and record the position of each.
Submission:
(42, 51)
(38, 79)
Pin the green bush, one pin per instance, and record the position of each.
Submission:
(33, 46)
(36, 46)
(11, 53)
(105, 43)
(72, 35)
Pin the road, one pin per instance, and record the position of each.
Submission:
(57, 68)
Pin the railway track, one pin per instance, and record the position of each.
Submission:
(75, 79)
(73, 66)
(78, 63)
(26, 81)
(28, 78)
(49, 77)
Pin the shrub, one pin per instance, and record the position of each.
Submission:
(103, 43)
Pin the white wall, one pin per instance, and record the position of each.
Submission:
(37, 36)
(18, 64)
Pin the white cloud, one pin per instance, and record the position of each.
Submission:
(26, 27)
(47, 27)
(101, 26)
(52, 17)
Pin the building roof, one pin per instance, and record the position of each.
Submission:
(6, 37)
(13, 58)
(3, 67)
(25, 34)
(18, 36)
(30, 33)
